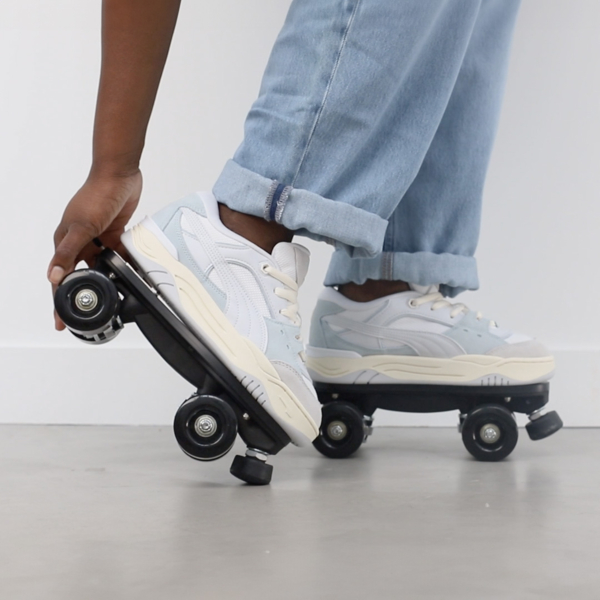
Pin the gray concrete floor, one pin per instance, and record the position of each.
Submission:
(92, 513)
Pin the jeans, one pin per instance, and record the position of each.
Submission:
(373, 131)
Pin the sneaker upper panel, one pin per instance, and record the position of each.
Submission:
(241, 300)
(228, 267)
(396, 326)
(285, 348)
(415, 337)
(256, 296)
(261, 295)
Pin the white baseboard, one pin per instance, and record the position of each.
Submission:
(134, 386)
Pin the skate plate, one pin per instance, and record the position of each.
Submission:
(486, 419)
(205, 423)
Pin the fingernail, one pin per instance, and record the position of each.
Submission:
(56, 275)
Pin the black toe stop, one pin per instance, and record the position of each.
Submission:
(251, 470)
(544, 426)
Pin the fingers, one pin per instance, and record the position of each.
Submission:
(66, 255)
(58, 324)
(88, 255)
(67, 251)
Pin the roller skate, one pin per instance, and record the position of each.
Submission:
(223, 313)
(415, 351)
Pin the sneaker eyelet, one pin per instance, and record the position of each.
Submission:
(411, 303)
(264, 267)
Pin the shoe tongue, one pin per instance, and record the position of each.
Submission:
(424, 289)
(292, 259)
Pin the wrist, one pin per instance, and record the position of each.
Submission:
(113, 169)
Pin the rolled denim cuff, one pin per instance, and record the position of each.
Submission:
(354, 231)
(452, 272)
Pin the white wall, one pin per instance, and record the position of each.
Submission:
(539, 249)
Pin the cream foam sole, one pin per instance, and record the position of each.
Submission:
(194, 305)
(460, 370)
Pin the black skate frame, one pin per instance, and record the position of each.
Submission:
(419, 398)
(187, 354)
(484, 411)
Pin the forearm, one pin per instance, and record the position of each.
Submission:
(136, 35)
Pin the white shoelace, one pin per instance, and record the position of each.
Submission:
(438, 301)
(289, 293)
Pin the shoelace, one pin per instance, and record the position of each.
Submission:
(438, 301)
(289, 293)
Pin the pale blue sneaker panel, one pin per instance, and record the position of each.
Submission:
(474, 335)
(323, 336)
(282, 344)
(335, 341)
(323, 308)
(471, 334)
(192, 201)
(174, 232)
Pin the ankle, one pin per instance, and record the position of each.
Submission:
(372, 289)
(264, 234)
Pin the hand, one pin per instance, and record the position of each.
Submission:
(101, 208)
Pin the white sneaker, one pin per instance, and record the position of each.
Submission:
(418, 337)
(240, 300)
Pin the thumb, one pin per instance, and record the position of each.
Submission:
(67, 251)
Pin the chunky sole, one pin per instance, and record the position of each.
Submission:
(182, 291)
(460, 370)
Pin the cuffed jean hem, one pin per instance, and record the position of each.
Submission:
(454, 273)
(353, 230)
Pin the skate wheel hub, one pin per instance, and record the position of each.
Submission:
(86, 300)
(490, 433)
(337, 430)
(205, 426)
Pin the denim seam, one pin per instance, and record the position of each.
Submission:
(285, 194)
(276, 199)
(269, 200)
(327, 89)
(387, 266)
(387, 258)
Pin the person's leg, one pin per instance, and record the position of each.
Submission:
(352, 96)
(345, 77)
(379, 329)
(432, 234)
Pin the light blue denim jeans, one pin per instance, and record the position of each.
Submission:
(373, 131)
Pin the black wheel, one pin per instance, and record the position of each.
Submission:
(205, 427)
(490, 432)
(88, 303)
(342, 430)
(251, 470)
(543, 426)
